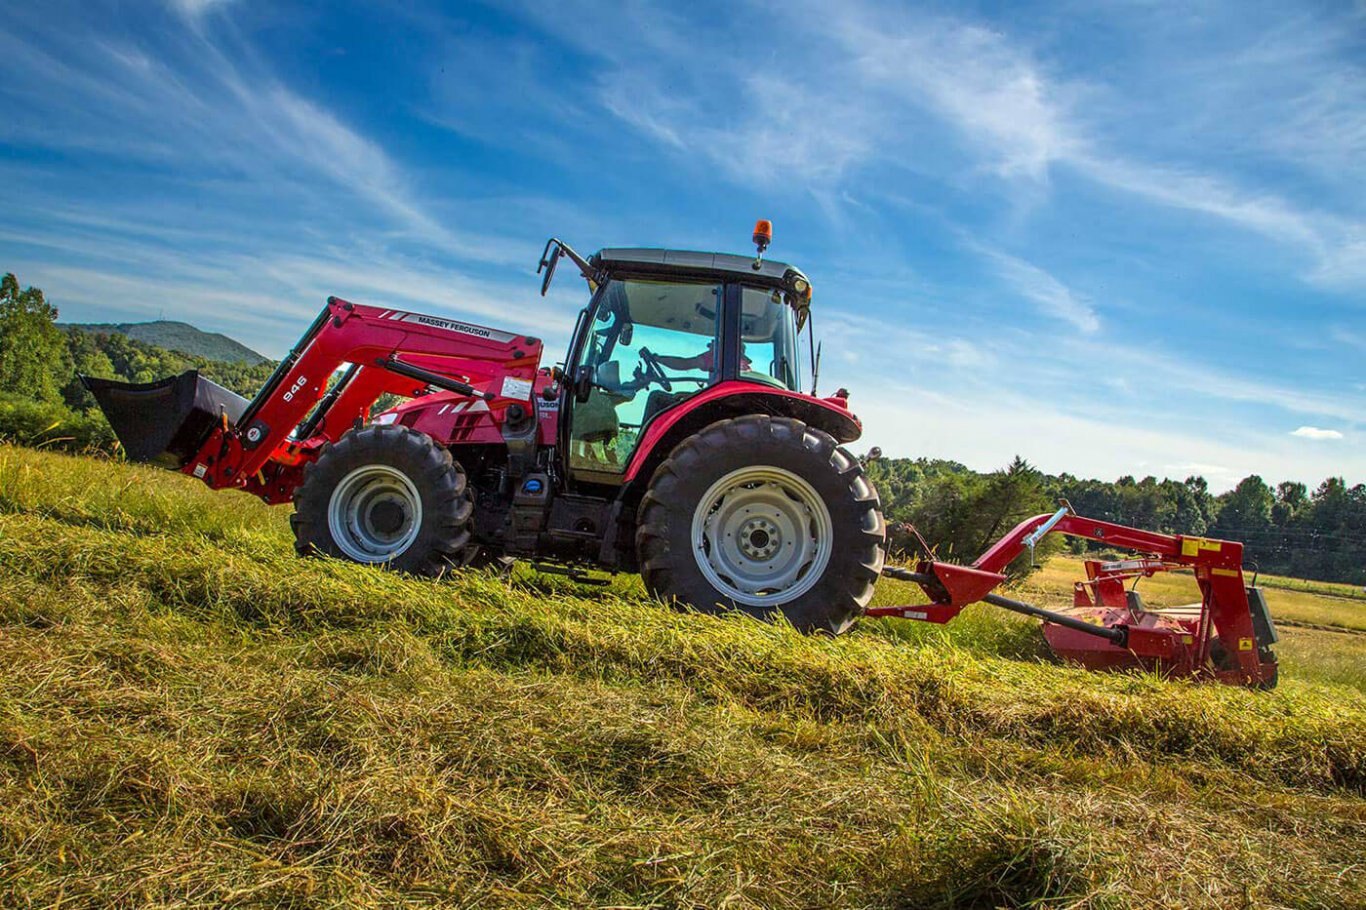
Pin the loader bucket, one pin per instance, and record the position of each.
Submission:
(165, 422)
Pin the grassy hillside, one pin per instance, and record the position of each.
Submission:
(179, 336)
(190, 716)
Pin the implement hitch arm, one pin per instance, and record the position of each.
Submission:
(1222, 643)
(1117, 636)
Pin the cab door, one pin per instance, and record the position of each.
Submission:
(648, 346)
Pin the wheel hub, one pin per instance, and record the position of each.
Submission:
(762, 536)
(374, 514)
(386, 517)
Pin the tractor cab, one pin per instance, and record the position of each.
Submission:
(662, 327)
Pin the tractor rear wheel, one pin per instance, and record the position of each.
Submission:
(764, 515)
(385, 495)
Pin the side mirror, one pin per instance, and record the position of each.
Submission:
(583, 383)
(550, 257)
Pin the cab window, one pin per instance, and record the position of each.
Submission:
(768, 339)
(652, 345)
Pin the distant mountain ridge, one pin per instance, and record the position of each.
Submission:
(178, 336)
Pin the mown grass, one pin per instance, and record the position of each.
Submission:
(1351, 592)
(190, 716)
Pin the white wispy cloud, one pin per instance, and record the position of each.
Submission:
(985, 432)
(283, 292)
(1052, 297)
(852, 342)
(1027, 122)
(215, 112)
(193, 9)
(1316, 433)
(780, 129)
(1198, 381)
(970, 76)
(883, 70)
(258, 202)
(1336, 246)
(1344, 335)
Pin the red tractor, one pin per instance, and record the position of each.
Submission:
(674, 442)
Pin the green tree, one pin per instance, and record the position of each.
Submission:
(87, 359)
(33, 356)
(1245, 510)
(1291, 499)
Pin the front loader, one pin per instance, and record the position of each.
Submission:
(675, 440)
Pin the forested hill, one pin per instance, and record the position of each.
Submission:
(177, 336)
(117, 356)
(42, 402)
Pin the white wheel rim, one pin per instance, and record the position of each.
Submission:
(374, 514)
(762, 536)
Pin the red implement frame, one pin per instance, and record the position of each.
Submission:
(1214, 640)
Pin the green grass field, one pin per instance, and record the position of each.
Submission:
(191, 716)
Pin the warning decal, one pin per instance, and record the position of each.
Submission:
(517, 388)
(1191, 546)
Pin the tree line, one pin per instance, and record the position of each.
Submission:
(1287, 529)
(42, 402)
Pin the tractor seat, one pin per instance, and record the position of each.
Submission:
(661, 400)
(595, 420)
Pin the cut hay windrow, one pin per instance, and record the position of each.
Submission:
(191, 717)
(1295, 736)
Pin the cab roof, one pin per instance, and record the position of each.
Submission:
(688, 263)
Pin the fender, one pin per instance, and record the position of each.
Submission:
(732, 399)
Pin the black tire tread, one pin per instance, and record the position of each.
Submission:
(448, 506)
(858, 558)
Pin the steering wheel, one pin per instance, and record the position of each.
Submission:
(653, 371)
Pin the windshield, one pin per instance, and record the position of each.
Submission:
(768, 336)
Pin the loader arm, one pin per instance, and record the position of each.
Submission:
(389, 351)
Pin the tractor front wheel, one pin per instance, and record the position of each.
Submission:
(764, 515)
(385, 495)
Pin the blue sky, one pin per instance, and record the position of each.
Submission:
(1114, 238)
